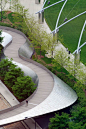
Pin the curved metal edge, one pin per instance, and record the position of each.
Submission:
(35, 91)
(3, 57)
(43, 108)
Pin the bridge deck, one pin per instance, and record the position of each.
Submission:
(45, 85)
(52, 93)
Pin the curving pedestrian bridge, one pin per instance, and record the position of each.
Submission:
(52, 94)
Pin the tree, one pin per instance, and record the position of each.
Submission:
(59, 121)
(23, 87)
(79, 115)
(15, 5)
(61, 58)
(11, 76)
(74, 68)
(51, 45)
(2, 6)
(78, 118)
(39, 38)
(5, 65)
(79, 125)
(20, 17)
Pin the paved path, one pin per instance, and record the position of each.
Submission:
(52, 93)
(33, 8)
(45, 85)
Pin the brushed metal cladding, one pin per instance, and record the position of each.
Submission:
(26, 49)
(28, 72)
(7, 38)
(60, 96)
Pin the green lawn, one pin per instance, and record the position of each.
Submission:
(71, 31)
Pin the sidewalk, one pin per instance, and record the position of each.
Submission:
(33, 8)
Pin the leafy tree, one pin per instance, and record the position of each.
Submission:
(23, 87)
(79, 115)
(11, 76)
(15, 5)
(51, 44)
(31, 26)
(61, 58)
(5, 65)
(2, 6)
(59, 122)
(79, 125)
(40, 39)
(73, 68)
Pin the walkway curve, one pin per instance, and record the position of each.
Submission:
(48, 94)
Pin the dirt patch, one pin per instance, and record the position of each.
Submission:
(8, 12)
(13, 14)
(7, 21)
(40, 56)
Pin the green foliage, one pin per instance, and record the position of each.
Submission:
(2, 5)
(79, 125)
(20, 85)
(5, 24)
(76, 121)
(4, 16)
(5, 65)
(23, 87)
(59, 122)
(10, 17)
(11, 76)
(79, 115)
(61, 58)
(1, 39)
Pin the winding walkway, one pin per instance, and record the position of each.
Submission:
(46, 83)
(52, 94)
